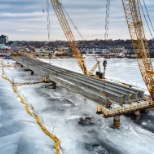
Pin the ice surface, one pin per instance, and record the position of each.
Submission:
(61, 112)
(20, 76)
(19, 132)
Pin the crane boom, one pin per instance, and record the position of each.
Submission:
(69, 35)
(139, 42)
(94, 68)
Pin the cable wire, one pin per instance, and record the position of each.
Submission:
(107, 19)
(48, 18)
(71, 20)
(148, 15)
(106, 37)
(146, 21)
(43, 6)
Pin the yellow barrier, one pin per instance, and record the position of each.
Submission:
(15, 54)
(56, 140)
(7, 65)
(17, 84)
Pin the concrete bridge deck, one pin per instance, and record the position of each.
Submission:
(124, 98)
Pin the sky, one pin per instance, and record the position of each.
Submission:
(25, 20)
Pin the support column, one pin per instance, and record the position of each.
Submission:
(137, 115)
(54, 85)
(116, 122)
(26, 69)
(46, 79)
(32, 72)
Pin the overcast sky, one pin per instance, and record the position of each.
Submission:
(25, 20)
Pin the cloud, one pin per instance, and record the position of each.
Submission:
(25, 20)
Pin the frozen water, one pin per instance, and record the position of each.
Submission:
(64, 112)
(19, 132)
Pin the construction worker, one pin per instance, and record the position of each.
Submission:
(49, 55)
(109, 104)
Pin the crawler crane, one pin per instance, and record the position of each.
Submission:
(141, 49)
(139, 42)
(69, 35)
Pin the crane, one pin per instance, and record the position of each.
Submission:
(94, 68)
(70, 37)
(139, 42)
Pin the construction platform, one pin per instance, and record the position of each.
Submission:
(113, 98)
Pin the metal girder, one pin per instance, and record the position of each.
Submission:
(118, 93)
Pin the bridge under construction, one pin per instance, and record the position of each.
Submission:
(113, 99)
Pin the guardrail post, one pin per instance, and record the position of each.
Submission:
(32, 72)
(54, 85)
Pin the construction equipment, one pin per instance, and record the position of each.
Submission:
(57, 6)
(15, 54)
(139, 42)
(94, 68)
(99, 74)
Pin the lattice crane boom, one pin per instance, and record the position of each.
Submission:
(94, 68)
(69, 35)
(139, 42)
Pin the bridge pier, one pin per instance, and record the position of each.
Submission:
(26, 69)
(32, 72)
(46, 79)
(54, 85)
(116, 121)
(137, 115)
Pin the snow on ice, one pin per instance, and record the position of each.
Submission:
(65, 114)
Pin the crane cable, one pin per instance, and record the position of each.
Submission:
(71, 20)
(43, 6)
(48, 18)
(148, 15)
(106, 37)
(107, 19)
(147, 21)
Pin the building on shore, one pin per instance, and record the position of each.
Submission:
(4, 39)
(129, 53)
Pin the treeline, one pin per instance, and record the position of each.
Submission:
(83, 43)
